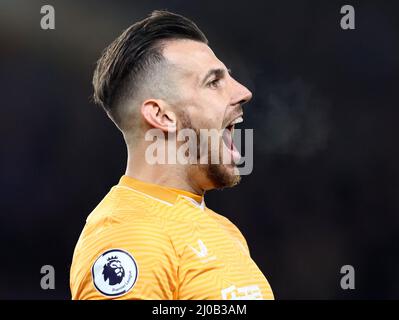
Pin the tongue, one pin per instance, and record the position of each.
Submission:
(235, 155)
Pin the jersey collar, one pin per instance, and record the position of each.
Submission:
(163, 193)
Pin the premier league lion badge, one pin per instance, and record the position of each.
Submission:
(114, 272)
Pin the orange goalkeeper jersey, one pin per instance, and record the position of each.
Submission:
(145, 241)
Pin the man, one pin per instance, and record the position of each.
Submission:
(152, 237)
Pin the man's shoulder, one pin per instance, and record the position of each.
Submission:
(222, 219)
(123, 203)
(228, 224)
(122, 217)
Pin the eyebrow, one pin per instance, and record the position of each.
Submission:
(217, 72)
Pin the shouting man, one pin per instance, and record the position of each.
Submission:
(152, 236)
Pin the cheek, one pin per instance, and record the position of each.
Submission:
(216, 106)
(210, 113)
(206, 109)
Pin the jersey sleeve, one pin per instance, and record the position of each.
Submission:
(137, 261)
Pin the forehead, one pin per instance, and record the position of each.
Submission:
(193, 58)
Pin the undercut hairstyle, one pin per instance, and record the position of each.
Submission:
(133, 60)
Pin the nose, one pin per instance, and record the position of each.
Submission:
(240, 93)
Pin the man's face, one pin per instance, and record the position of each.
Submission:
(210, 99)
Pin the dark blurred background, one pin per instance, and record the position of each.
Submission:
(324, 189)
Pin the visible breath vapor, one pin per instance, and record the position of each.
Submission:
(293, 120)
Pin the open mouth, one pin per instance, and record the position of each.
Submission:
(233, 155)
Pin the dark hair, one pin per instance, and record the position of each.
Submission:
(133, 53)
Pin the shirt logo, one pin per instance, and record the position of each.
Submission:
(242, 293)
(202, 253)
(114, 273)
(203, 250)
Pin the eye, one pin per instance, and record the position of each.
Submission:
(214, 83)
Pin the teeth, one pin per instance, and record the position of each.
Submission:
(238, 120)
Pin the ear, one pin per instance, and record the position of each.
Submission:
(157, 114)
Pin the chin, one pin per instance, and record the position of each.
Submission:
(223, 176)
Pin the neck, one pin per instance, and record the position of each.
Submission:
(168, 175)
